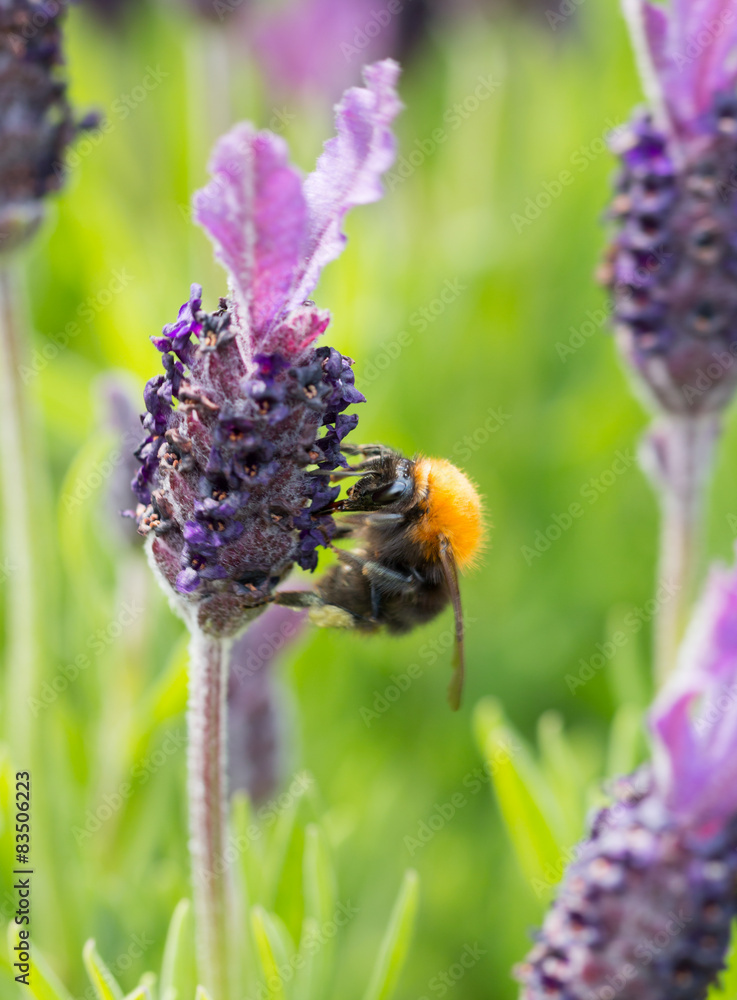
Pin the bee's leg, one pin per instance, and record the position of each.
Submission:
(367, 450)
(382, 580)
(297, 599)
(322, 613)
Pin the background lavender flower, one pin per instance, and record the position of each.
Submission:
(256, 709)
(223, 486)
(645, 910)
(673, 260)
(36, 121)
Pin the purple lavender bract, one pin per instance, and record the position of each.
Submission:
(672, 265)
(247, 403)
(645, 910)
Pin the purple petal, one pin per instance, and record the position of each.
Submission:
(254, 212)
(657, 25)
(187, 581)
(694, 719)
(693, 44)
(349, 171)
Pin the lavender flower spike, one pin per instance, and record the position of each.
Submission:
(672, 263)
(645, 910)
(36, 123)
(246, 403)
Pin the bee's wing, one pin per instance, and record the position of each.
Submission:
(450, 572)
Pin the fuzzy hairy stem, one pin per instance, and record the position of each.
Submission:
(18, 567)
(685, 450)
(207, 786)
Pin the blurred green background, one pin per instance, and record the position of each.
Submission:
(505, 215)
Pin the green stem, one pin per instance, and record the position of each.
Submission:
(207, 784)
(685, 463)
(17, 490)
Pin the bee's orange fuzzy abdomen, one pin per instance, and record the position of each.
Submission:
(454, 509)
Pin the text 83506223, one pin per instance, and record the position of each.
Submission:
(22, 880)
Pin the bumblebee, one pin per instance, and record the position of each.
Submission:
(418, 523)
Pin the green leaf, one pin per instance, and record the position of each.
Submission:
(561, 766)
(319, 904)
(270, 949)
(319, 877)
(76, 504)
(517, 783)
(250, 854)
(626, 672)
(727, 989)
(395, 945)
(140, 993)
(178, 972)
(101, 977)
(279, 847)
(42, 980)
(626, 741)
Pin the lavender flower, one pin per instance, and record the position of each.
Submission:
(673, 260)
(36, 123)
(256, 727)
(246, 402)
(644, 912)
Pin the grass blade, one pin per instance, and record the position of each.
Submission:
(101, 977)
(395, 945)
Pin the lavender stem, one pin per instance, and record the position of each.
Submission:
(207, 786)
(18, 541)
(683, 478)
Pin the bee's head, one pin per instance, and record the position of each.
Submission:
(389, 485)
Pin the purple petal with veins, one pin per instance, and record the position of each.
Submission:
(349, 171)
(254, 212)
